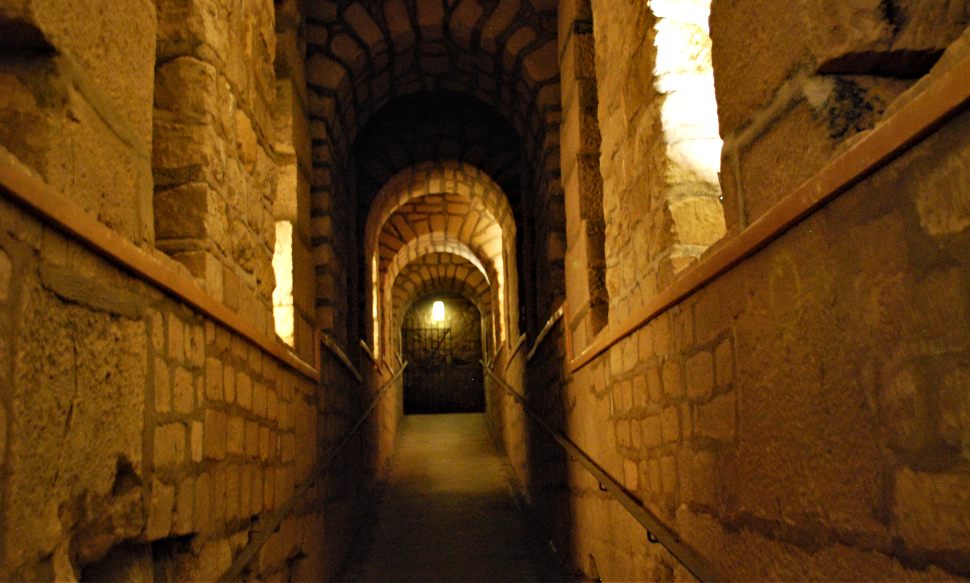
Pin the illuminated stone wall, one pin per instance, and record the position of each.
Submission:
(803, 415)
(660, 144)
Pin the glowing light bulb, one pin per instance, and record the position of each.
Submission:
(438, 311)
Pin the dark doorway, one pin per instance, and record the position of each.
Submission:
(444, 374)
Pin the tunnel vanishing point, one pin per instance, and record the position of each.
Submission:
(703, 271)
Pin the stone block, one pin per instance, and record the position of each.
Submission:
(645, 344)
(203, 495)
(245, 489)
(636, 435)
(650, 428)
(214, 438)
(229, 383)
(670, 425)
(169, 444)
(930, 510)
(232, 492)
(195, 441)
(175, 328)
(184, 507)
(654, 386)
(158, 332)
(623, 433)
(673, 379)
(626, 396)
(183, 391)
(717, 419)
(700, 376)
(283, 487)
(183, 212)
(214, 558)
(668, 475)
(287, 447)
(188, 87)
(244, 390)
(259, 399)
(252, 439)
(653, 470)
(62, 118)
(704, 482)
(195, 345)
(213, 379)
(163, 390)
(272, 405)
(160, 516)
(236, 436)
(264, 443)
(724, 363)
(217, 508)
(6, 267)
(256, 500)
(269, 486)
(630, 353)
(640, 391)
(631, 475)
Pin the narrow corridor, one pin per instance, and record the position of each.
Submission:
(447, 512)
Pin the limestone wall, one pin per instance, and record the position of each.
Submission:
(786, 111)
(804, 415)
(215, 174)
(139, 438)
(76, 104)
(660, 143)
(136, 431)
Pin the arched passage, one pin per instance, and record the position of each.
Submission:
(437, 206)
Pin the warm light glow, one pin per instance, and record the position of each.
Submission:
(685, 75)
(438, 311)
(375, 297)
(283, 310)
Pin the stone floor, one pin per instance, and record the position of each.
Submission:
(448, 513)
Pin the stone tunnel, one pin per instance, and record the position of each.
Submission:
(484, 290)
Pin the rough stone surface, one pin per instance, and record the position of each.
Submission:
(803, 416)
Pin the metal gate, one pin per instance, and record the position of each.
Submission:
(436, 381)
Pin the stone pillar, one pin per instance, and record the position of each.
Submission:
(293, 298)
(582, 181)
(215, 175)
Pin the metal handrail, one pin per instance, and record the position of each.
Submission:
(694, 562)
(544, 333)
(341, 356)
(276, 519)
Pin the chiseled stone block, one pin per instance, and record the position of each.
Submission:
(236, 436)
(169, 444)
(160, 516)
(214, 438)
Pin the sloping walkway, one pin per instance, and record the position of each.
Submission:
(447, 513)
